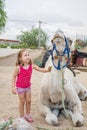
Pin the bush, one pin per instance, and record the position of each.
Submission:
(20, 46)
(3, 46)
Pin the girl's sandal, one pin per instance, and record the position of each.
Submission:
(29, 118)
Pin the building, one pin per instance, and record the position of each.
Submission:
(8, 41)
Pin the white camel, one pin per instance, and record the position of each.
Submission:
(60, 90)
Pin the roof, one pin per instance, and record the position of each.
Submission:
(8, 40)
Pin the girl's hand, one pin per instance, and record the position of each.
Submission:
(14, 90)
(49, 68)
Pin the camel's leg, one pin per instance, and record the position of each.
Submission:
(74, 117)
(80, 89)
(75, 104)
(50, 117)
(55, 112)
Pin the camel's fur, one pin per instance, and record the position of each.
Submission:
(50, 101)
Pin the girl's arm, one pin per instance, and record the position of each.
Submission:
(16, 71)
(44, 70)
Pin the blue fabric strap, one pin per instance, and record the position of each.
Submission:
(66, 51)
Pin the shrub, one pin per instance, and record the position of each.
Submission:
(3, 46)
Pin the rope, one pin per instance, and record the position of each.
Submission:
(63, 92)
(63, 89)
(63, 96)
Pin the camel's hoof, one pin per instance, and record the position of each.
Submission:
(78, 124)
(55, 123)
(85, 98)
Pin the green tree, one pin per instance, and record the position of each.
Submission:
(31, 38)
(79, 43)
(2, 15)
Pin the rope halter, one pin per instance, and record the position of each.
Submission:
(66, 51)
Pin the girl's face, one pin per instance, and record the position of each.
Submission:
(25, 57)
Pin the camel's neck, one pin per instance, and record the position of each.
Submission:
(55, 87)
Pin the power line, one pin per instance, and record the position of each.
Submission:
(30, 21)
(21, 20)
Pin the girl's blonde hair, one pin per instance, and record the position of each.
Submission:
(19, 56)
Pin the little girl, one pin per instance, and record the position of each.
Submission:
(21, 82)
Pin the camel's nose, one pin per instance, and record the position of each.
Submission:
(60, 52)
(60, 57)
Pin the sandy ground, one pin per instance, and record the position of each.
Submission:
(7, 51)
(9, 102)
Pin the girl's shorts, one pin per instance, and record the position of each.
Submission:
(22, 90)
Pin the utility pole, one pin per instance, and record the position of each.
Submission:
(39, 33)
(76, 35)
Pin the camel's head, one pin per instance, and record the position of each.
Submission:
(60, 51)
(59, 42)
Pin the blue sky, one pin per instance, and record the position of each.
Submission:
(68, 15)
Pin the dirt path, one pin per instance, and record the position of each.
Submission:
(9, 102)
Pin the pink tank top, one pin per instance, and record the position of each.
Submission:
(24, 77)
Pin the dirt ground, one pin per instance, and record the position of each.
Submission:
(9, 102)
